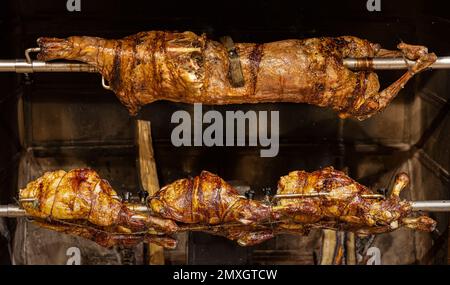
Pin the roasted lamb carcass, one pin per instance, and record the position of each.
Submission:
(79, 202)
(328, 198)
(213, 206)
(184, 67)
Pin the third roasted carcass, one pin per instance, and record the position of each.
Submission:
(328, 198)
(185, 67)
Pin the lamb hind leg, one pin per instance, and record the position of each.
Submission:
(421, 223)
(92, 50)
(378, 102)
(102, 238)
(54, 48)
(109, 239)
(142, 222)
(358, 48)
(411, 52)
(249, 237)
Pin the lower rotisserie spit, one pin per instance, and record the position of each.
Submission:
(80, 203)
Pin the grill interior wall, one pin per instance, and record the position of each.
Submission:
(70, 121)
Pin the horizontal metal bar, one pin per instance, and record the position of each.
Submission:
(324, 194)
(307, 195)
(431, 206)
(11, 211)
(22, 66)
(138, 208)
(14, 211)
(391, 63)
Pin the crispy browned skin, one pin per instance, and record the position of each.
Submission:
(343, 206)
(207, 199)
(184, 67)
(78, 202)
(81, 197)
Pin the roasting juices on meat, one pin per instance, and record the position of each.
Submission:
(80, 203)
(207, 201)
(185, 67)
(334, 200)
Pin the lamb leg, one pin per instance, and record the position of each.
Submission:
(92, 50)
(379, 101)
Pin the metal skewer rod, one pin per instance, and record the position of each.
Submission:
(137, 208)
(431, 206)
(324, 194)
(395, 63)
(308, 195)
(11, 211)
(22, 66)
(14, 211)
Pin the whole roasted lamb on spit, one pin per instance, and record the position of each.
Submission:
(185, 67)
(79, 202)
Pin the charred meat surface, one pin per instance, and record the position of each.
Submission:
(185, 67)
(80, 203)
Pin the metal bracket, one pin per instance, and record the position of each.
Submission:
(29, 61)
(107, 87)
(235, 74)
(30, 50)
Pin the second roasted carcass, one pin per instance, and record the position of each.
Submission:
(185, 67)
(214, 206)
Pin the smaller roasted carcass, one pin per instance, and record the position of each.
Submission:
(207, 200)
(79, 202)
(328, 198)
